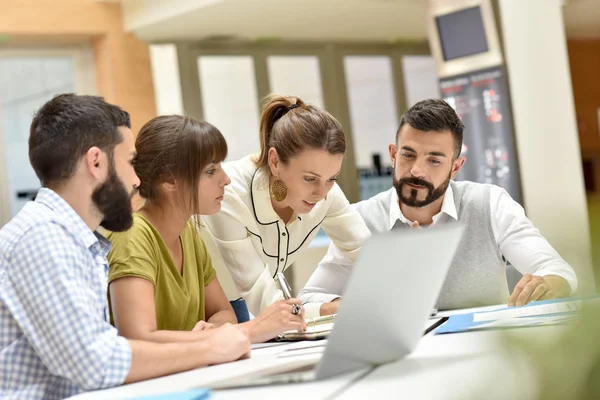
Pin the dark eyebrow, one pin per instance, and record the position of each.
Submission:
(437, 153)
(431, 153)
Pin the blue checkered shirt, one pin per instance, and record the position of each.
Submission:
(55, 336)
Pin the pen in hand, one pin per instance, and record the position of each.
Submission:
(285, 286)
(287, 292)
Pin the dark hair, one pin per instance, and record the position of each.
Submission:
(176, 147)
(290, 126)
(434, 115)
(66, 127)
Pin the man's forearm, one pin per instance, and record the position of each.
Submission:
(151, 360)
(173, 336)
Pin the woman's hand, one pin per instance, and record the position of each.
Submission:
(276, 319)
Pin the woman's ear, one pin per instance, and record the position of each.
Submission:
(273, 159)
(168, 183)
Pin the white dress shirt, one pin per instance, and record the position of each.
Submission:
(255, 243)
(516, 237)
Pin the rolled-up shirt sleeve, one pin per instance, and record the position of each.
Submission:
(348, 232)
(344, 225)
(328, 281)
(522, 243)
(49, 294)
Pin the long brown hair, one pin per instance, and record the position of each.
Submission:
(176, 147)
(291, 126)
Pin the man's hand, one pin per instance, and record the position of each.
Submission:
(202, 326)
(532, 287)
(330, 308)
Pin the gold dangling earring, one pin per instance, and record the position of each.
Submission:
(278, 190)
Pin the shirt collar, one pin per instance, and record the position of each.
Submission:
(448, 208)
(79, 229)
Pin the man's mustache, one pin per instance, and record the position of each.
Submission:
(417, 182)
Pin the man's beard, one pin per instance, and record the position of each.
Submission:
(433, 194)
(114, 203)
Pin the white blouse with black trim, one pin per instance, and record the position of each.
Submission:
(255, 244)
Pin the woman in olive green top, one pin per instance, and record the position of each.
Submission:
(162, 286)
(178, 295)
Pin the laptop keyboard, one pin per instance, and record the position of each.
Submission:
(296, 375)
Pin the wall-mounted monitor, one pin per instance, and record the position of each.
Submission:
(463, 36)
(462, 33)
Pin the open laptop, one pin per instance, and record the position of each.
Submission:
(387, 301)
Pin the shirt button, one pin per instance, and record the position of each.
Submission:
(281, 259)
(283, 234)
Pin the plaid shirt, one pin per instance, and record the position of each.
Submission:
(55, 336)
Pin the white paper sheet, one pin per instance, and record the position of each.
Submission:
(515, 312)
(529, 321)
(290, 347)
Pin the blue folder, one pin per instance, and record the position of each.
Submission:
(194, 394)
(464, 322)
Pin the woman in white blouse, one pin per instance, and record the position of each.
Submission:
(278, 200)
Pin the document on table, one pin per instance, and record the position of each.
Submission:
(547, 312)
(532, 311)
(284, 348)
(528, 321)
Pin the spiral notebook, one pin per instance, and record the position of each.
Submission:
(318, 328)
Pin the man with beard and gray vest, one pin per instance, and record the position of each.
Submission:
(426, 158)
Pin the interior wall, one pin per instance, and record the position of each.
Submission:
(122, 61)
(584, 62)
(546, 130)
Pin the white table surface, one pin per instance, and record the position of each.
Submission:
(469, 365)
(262, 359)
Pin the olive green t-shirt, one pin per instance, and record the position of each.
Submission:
(178, 297)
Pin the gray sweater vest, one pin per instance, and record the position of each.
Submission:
(477, 275)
